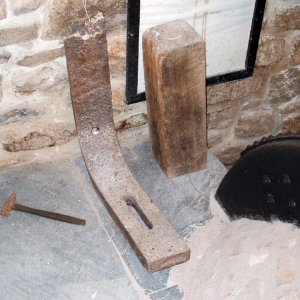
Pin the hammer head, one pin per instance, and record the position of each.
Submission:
(8, 205)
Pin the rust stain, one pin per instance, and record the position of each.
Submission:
(8, 205)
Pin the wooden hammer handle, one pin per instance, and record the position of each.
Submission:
(49, 214)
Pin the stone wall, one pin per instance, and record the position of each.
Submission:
(35, 107)
(268, 103)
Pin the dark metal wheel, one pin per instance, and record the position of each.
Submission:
(264, 184)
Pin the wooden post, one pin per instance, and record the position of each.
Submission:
(174, 65)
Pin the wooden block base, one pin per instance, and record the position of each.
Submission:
(174, 64)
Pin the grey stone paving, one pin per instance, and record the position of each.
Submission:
(171, 293)
(46, 259)
(184, 199)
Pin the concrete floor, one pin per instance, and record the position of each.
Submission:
(45, 259)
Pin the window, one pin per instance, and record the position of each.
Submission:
(230, 28)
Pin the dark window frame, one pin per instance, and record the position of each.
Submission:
(132, 54)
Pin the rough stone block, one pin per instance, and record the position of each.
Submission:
(292, 294)
(215, 137)
(117, 65)
(60, 24)
(233, 90)
(3, 11)
(4, 56)
(285, 270)
(16, 115)
(295, 56)
(255, 123)
(134, 115)
(253, 290)
(116, 44)
(221, 118)
(1, 92)
(287, 19)
(42, 134)
(291, 106)
(118, 82)
(270, 51)
(45, 132)
(174, 64)
(291, 123)
(228, 152)
(251, 102)
(41, 57)
(32, 141)
(46, 79)
(218, 93)
(18, 34)
(245, 87)
(284, 86)
(24, 6)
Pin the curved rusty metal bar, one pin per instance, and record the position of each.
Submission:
(155, 242)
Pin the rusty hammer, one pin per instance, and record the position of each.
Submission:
(11, 204)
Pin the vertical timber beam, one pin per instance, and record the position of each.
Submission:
(174, 65)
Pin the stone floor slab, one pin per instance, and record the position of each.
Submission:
(46, 259)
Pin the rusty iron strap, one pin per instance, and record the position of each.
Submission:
(155, 242)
